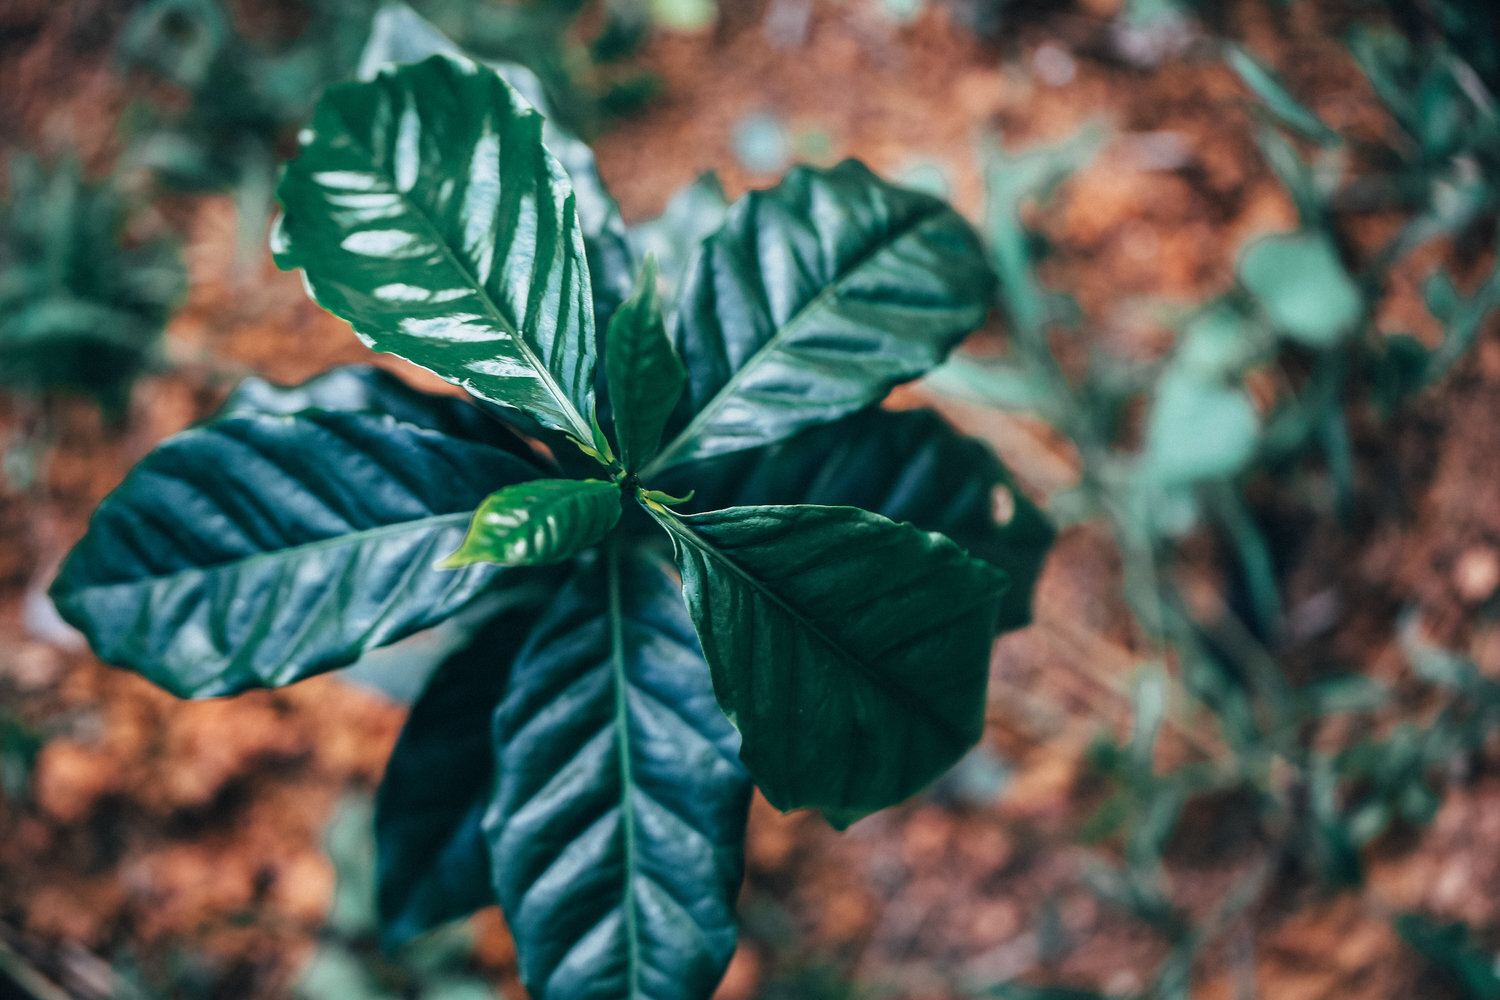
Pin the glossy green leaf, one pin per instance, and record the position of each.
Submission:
(645, 375)
(1303, 287)
(81, 309)
(425, 210)
(258, 550)
(691, 214)
(433, 861)
(619, 810)
(907, 466)
(851, 652)
(538, 523)
(813, 300)
(399, 34)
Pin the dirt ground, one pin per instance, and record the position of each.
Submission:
(157, 826)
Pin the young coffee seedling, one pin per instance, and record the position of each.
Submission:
(587, 757)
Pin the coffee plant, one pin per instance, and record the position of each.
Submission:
(698, 552)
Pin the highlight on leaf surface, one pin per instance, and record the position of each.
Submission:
(537, 523)
(424, 209)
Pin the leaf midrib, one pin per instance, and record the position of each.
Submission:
(627, 781)
(581, 429)
(886, 685)
(664, 459)
(289, 552)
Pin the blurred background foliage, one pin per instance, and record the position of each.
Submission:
(1185, 446)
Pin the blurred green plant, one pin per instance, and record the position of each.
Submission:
(1299, 318)
(19, 745)
(244, 94)
(349, 963)
(82, 302)
(1450, 951)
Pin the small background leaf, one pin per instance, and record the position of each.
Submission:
(1278, 101)
(1199, 429)
(1303, 287)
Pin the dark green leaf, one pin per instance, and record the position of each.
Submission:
(851, 652)
(258, 550)
(399, 34)
(539, 522)
(1020, 991)
(1339, 692)
(434, 864)
(814, 299)
(645, 375)
(620, 809)
(425, 210)
(907, 466)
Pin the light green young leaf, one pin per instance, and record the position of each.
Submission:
(645, 375)
(538, 523)
(425, 210)
(851, 652)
